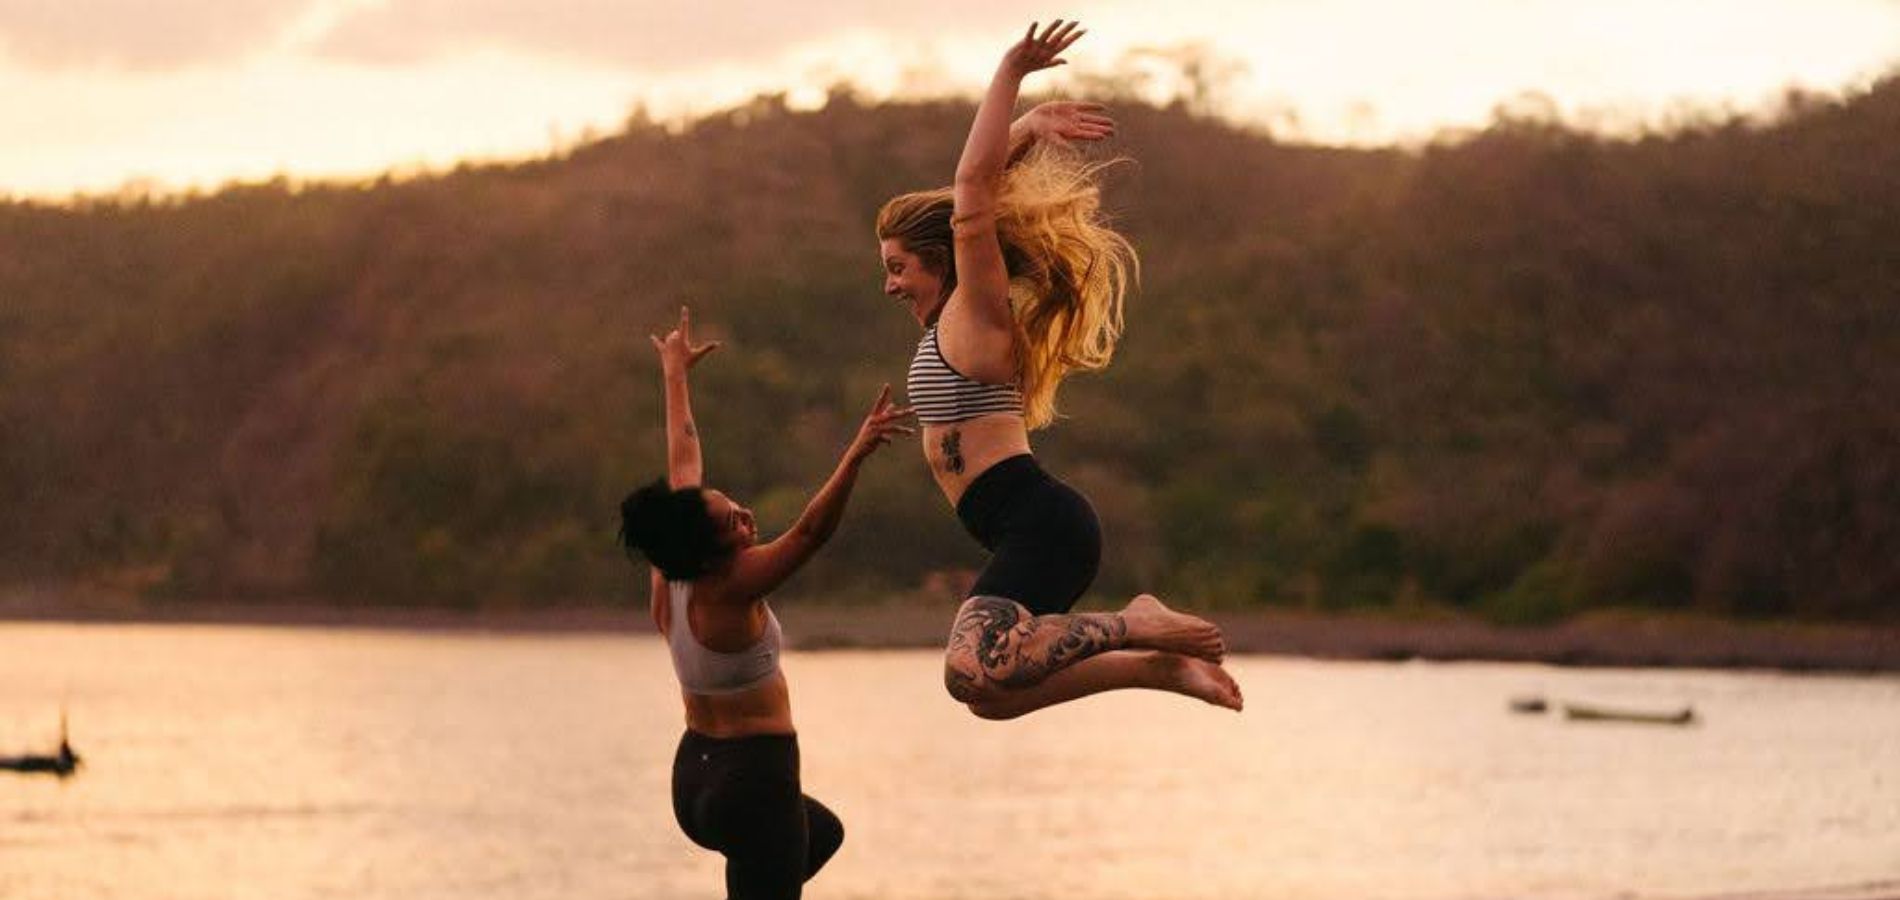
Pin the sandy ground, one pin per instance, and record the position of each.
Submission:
(1604, 639)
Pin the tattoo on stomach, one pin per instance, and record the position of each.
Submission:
(952, 447)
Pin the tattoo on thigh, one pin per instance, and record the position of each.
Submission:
(987, 629)
(952, 446)
(1014, 649)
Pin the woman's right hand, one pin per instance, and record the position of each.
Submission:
(677, 352)
(1037, 52)
(880, 425)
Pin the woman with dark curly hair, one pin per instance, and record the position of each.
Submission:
(736, 785)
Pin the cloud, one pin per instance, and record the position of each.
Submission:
(654, 35)
(139, 34)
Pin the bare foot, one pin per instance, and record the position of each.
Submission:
(1153, 626)
(1198, 678)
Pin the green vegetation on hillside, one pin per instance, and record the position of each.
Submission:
(1526, 373)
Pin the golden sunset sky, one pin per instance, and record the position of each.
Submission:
(100, 95)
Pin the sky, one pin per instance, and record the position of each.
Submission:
(105, 96)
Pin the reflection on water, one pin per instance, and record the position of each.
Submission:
(251, 762)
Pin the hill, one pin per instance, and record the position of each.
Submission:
(1528, 372)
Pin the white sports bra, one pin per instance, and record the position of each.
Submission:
(704, 671)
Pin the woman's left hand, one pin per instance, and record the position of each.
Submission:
(1058, 121)
(1037, 52)
(881, 424)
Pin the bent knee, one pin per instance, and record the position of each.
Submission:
(994, 709)
(985, 699)
(825, 839)
(965, 681)
(971, 684)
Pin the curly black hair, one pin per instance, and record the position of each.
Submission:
(672, 529)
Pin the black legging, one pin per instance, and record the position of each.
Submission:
(740, 796)
(1043, 537)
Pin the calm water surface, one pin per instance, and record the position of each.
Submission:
(227, 762)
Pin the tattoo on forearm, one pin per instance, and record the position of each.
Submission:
(1013, 649)
(952, 446)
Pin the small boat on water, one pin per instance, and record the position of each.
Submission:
(61, 763)
(1529, 704)
(1590, 713)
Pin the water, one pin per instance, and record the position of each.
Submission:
(227, 762)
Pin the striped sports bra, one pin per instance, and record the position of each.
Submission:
(941, 395)
(704, 671)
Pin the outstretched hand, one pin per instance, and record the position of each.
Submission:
(881, 424)
(1058, 121)
(1036, 52)
(677, 351)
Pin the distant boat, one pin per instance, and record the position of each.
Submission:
(61, 763)
(1586, 713)
(1528, 704)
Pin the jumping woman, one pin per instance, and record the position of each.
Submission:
(1017, 281)
(736, 786)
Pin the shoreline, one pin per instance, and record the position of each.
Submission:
(1605, 639)
(1618, 640)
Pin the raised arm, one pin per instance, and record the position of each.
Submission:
(760, 569)
(976, 321)
(684, 466)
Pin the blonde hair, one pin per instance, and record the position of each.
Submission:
(1068, 269)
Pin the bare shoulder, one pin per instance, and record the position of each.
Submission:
(711, 590)
(760, 568)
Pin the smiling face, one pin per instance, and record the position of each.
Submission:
(909, 281)
(737, 530)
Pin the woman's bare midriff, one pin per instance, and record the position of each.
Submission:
(961, 451)
(766, 709)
